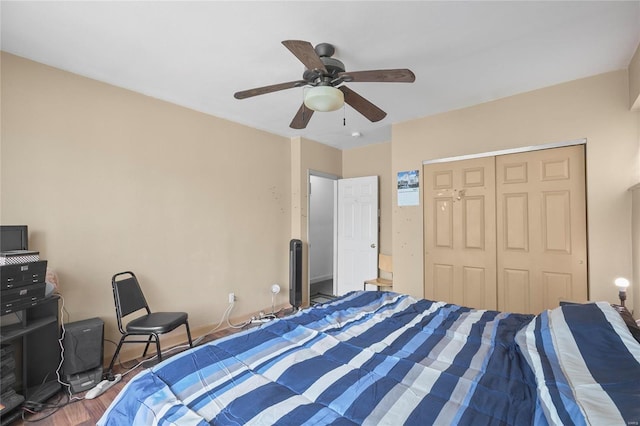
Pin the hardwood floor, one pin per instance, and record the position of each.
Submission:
(85, 412)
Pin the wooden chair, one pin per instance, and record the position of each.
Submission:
(385, 273)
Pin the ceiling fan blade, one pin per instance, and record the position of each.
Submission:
(268, 89)
(301, 118)
(363, 106)
(402, 75)
(304, 51)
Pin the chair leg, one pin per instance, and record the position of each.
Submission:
(146, 348)
(115, 355)
(189, 334)
(158, 347)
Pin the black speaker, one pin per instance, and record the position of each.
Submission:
(295, 273)
(83, 346)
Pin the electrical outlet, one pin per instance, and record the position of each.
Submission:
(232, 297)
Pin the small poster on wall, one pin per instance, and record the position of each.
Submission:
(409, 188)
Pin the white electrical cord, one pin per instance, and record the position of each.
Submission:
(243, 325)
(224, 314)
(61, 343)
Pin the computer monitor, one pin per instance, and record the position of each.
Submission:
(14, 237)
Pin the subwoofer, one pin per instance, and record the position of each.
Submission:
(295, 273)
(83, 353)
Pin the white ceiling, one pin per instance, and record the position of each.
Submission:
(197, 54)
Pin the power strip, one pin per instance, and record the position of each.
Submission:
(102, 387)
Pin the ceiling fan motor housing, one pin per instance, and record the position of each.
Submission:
(333, 66)
(325, 49)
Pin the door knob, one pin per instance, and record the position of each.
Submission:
(373, 245)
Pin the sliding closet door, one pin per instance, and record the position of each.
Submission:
(542, 244)
(459, 232)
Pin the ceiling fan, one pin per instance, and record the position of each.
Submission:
(325, 76)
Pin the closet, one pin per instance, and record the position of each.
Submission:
(507, 232)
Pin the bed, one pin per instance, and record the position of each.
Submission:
(383, 358)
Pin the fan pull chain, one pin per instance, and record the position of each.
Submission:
(344, 115)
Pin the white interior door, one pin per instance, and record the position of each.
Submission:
(357, 233)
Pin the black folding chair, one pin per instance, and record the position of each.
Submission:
(129, 298)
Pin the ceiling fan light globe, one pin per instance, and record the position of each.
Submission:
(324, 98)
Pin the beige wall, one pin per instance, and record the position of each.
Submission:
(634, 101)
(110, 180)
(595, 108)
(634, 80)
(374, 160)
(635, 236)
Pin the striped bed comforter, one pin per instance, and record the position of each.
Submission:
(383, 358)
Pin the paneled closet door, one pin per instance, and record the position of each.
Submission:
(541, 224)
(459, 232)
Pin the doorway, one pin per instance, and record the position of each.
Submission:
(321, 238)
(342, 236)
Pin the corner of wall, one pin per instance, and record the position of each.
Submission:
(634, 81)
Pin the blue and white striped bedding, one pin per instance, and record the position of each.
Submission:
(382, 358)
(586, 363)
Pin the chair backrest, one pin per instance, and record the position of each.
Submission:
(385, 263)
(127, 295)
